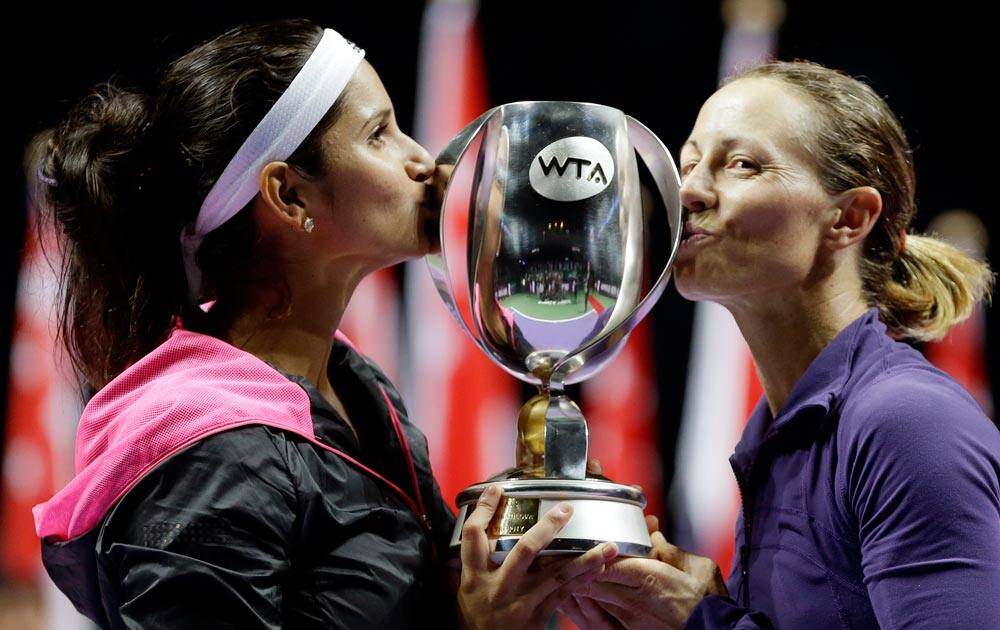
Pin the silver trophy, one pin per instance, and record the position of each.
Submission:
(560, 250)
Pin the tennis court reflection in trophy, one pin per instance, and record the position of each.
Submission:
(555, 242)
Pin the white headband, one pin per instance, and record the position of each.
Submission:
(297, 111)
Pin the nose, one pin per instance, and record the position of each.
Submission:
(697, 192)
(419, 164)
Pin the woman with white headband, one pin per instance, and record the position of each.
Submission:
(235, 468)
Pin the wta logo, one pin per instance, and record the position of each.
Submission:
(571, 169)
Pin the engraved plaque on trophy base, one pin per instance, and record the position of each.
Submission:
(602, 512)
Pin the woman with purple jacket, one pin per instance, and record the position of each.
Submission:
(869, 478)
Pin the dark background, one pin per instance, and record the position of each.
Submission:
(656, 61)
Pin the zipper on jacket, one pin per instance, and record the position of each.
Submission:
(743, 596)
(747, 503)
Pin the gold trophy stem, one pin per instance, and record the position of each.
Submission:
(531, 434)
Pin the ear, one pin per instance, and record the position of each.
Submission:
(856, 211)
(285, 194)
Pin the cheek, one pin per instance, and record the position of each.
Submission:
(374, 212)
(764, 246)
(366, 187)
(775, 232)
(360, 197)
(764, 223)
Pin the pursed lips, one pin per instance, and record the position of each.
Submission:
(690, 229)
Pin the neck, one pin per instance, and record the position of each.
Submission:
(786, 333)
(296, 339)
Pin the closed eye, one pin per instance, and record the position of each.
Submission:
(376, 135)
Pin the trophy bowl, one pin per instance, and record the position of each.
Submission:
(558, 226)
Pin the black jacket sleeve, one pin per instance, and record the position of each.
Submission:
(204, 539)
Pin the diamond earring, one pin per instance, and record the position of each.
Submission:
(308, 224)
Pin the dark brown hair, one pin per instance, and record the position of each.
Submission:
(922, 287)
(125, 171)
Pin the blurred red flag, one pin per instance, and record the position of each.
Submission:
(465, 404)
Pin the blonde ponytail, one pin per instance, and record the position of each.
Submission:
(933, 286)
(921, 285)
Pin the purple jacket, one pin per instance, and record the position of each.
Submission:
(872, 500)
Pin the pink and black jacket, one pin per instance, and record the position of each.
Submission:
(214, 491)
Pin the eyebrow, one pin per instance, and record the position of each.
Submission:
(728, 142)
(380, 114)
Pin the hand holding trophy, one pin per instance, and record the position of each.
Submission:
(550, 275)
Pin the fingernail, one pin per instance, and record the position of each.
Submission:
(565, 508)
(493, 490)
(609, 551)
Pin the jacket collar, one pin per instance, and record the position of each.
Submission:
(816, 393)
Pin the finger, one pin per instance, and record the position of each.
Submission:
(652, 523)
(620, 595)
(571, 609)
(664, 551)
(475, 549)
(594, 466)
(632, 572)
(624, 617)
(590, 562)
(637, 487)
(546, 563)
(596, 616)
(556, 598)
(534, 540)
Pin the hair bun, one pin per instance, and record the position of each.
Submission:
(94, 158)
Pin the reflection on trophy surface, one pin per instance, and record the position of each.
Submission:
(552, 251)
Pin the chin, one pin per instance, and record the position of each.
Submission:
(419, 249)
(698, 289)
(691, 295)
(686, 283)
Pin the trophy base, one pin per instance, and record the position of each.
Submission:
(602, 512)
